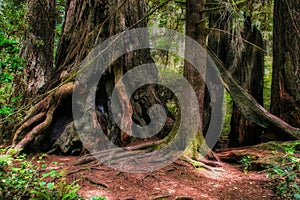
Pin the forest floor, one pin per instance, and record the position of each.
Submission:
(179, 179)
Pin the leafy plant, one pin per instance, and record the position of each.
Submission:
(12, 27)
(21, 179)
(246, 163)
(98, 198)
(286, 175)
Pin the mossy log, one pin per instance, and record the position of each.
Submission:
(261, 156)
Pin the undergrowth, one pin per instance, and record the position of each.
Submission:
(286, 175)
(21, 178)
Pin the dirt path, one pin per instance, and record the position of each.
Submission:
(176, 180)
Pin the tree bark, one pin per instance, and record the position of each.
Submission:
(88, 23)
(196, 29)
(285, 92)
(250, 75)
(38, 48)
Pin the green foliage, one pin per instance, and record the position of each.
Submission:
(12, 28)
(12, 22)
(246, 163)
(227, 110)
(170, 16)
(287, 175)
(267, 82)
(21, 179)
(98, 198)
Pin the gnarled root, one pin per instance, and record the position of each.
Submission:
(39, 118)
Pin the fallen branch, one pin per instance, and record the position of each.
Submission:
(250, 108)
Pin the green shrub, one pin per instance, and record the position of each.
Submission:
(20, 179)
(246, 163)
(286, 175)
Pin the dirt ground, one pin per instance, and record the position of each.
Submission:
(176, 181)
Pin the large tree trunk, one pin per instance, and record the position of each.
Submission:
(38, 48)
(285, 94)
(250, 75)
(88, 23)
(246, 66)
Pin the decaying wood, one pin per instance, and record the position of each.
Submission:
(127, 112)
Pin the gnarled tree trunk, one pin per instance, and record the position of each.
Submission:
(88, 23)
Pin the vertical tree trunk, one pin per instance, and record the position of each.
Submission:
(196, 29)
(38, 48)
(248, 71)
(249, 74)
(285, 93)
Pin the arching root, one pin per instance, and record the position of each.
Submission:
(39, 118)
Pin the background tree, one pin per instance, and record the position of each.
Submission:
(250, 75)
(38, 48)
(285, 96)
(240, 47)
(195, 28)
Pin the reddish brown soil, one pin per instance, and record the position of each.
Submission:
(176, 180)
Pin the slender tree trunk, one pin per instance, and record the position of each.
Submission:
(196, 29)
(285, 94)
(38, 48)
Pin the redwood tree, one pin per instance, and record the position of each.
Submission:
(242, 54)
(86, 24)
(195, 28)
(250, 75)
(285, 92)
(38, 48)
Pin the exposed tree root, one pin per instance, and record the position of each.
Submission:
(96, 182)
(200, 164)
(39, 118)
(203, 160)
(130, 150)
